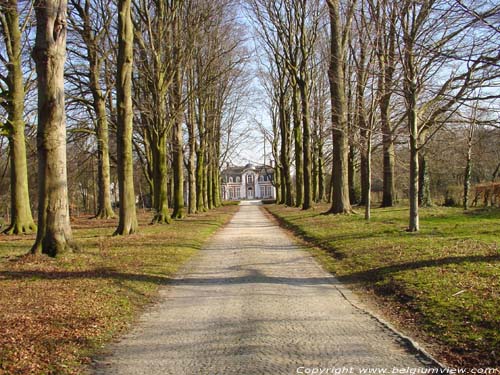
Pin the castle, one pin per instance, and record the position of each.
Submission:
(248, 182)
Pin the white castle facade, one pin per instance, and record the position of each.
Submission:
(248, 182)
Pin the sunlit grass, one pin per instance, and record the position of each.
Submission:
(444, 280)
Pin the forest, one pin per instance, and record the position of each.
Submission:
(400, 100)
(117, 118)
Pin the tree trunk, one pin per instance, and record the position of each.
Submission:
(178, 164)
(321, 173)
(367, 192)
(277, 183)
(192, 159)
(306, 147)
(160, 179)
(21, 217)
(364, 180)
(104, 210)
(414, 225)
(215, 185)
(54, 235)
(386, 51)
(388, 197)
(468, 166)
(277, 169)
(315, 173)
(297, 136)
(200, 161)
(424, 183)
(125, 168)
(351, 174)
(340, 187)
(287, 195)
(209, 185)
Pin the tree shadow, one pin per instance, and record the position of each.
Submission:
(377, 274)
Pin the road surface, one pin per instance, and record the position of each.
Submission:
(254, 302)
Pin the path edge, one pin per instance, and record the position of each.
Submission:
(349, 295)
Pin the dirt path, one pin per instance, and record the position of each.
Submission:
(254, 302)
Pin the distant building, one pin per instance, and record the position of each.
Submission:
(248, 182)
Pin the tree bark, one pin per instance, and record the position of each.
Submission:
(128, 219)
(287, 195)
(468, 164)
(367, 192)
(414, 223)
(21, 217)
(54, 235)
(351, 173)
(424, 183)
(178, 154)
(200, 166)
(192, 156)
(160, 178)
(340, 187)
(297, 136)
(315, 176)
(104, 209)
(306, 146)
(386, 57)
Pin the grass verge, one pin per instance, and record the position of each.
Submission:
(442, 284)
(56, 313)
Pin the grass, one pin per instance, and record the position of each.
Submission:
(56, 313)
(442, 284)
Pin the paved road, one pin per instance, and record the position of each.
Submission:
(254, 302)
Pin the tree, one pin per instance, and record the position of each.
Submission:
(384, 15)
(438, 76)
(21, 218)
(340, 186)
(127, 218)
(54, 235)
(93, 37)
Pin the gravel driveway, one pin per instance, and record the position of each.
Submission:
(254, 302)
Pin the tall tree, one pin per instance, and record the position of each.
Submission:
(10, 28)
(128, 219)
(340, 186)
(384, 15)
(54, 231)
(93, 34)
(470, 58)
(177, 113)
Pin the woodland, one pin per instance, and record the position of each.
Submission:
(120, 113)
(142, 103)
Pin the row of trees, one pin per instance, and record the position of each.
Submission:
(149, 73)
(398, 73)
(153, 90)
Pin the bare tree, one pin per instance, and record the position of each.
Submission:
(340, 186)
(54, 235)
(127, 218)
(10, 28)
(92, 32)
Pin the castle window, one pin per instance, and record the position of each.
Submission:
(230, 179)
(237, 179)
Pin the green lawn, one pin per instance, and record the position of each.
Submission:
(442, 284)
(55, 313)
